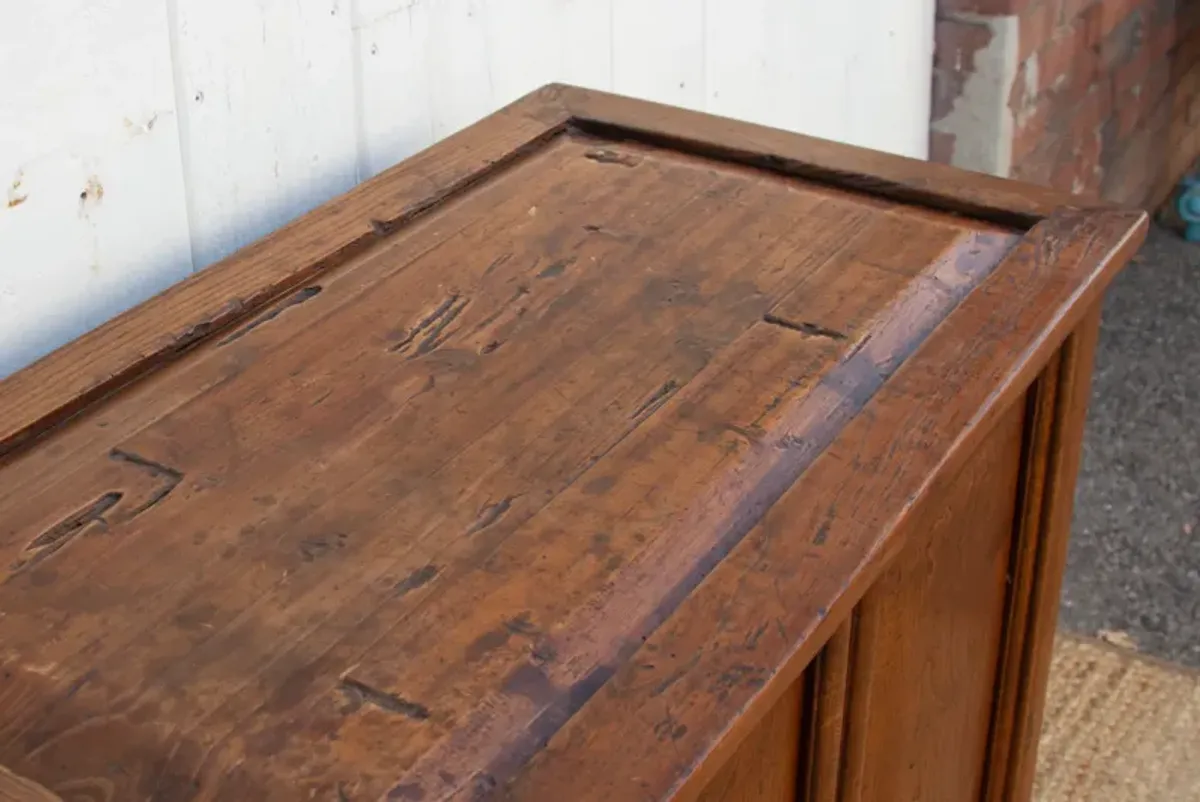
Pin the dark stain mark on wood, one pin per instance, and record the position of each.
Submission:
(742, 675)
(542, 728)
(669, 729)
(544, 652)
(676, 675)
(804, 327)
(295, 299)
(530, 682)
(78, 684)
(599, 486)
(359, 693)
(593, 228)
(314, 548)
(406, 792)
(655, 401)
(497, 262)
(381, 228)
(752, 638)
(601, 545)
(557, 268)
(484, 787)
(169, 476)
(432, 326)
(608, 156)
(491, 346)
(342, 794)
(59, 535)
(417, 579)
(823, 530)
(521, 625)
(490, 514)
(485, 643)
(793, 442)
(777, 400)
(751, 434)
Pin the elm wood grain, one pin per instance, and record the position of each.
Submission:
(1058, 404)
(18, 789)
(436, 520)
(234, 439)
(857, 501)
(928, 636)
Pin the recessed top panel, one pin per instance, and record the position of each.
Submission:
(389, 533)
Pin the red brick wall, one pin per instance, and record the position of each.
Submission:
(1103, 96)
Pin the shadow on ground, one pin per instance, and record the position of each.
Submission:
(1134, 565)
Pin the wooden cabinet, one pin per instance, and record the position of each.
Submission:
(604, 451)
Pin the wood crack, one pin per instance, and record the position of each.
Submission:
(295, 299)
(804, 327)
(606, 156)
(432, 326)
(655, 401)
(171, 477)
(360, 693)
(63, 532)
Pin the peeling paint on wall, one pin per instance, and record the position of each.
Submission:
(976, 84)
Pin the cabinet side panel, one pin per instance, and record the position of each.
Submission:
(764, 767)
(1057, 407)
(928, 639)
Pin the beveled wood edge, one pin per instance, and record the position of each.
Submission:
(1115, 236)
(102, 362)
(1003, 201)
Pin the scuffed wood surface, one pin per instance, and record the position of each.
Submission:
(545, 486)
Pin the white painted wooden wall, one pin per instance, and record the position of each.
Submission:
(143, 139)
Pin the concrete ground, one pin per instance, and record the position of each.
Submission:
(1134, 566)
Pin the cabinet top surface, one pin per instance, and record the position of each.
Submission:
(527, 470)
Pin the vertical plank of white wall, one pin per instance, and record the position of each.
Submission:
(92, 218)
(779, 63)
(742, 76)
(394, 105)
(844, 71)
(658, 49)
(535, 42)
(888, 76)
(459, 66)
(269, 124)
(429, 67)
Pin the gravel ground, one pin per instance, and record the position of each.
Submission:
(1134, 566)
